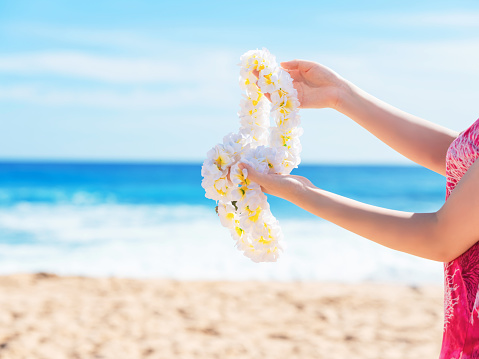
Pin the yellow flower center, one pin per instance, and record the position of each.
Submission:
(253, 215)
(220, 190)
(268, 79)
(285, 140)
(289, 104)
(255, 102)
(242, 192)
(239, 231)
(219, 162)
(286, 107)
(264, 241)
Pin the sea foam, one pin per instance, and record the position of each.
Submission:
(186, 242)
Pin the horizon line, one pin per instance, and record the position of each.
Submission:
(180, 162)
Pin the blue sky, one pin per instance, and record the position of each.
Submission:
(157, 81)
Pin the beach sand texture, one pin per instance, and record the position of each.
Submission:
(48, 316)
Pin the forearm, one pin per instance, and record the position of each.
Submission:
(421, 141)
(413, 233)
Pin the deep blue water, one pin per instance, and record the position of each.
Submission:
(153, 220)
(397, 187)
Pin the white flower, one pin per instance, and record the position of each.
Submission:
(239, 176)
(255, 159)
(258, 115)
(271, 254)
(234, 145)
(284, 102)
(290, 162)
(210, 170)
(246, 79)
(269, 235)
(257, 60)
(288, 139)
(251, 218)
(258, 134)
(218, 189)
(220, 156)
(268, 79)
(246, 195)
(238, 234)
(235, 141)
(246, 57)
(285, 83)
(261, 255)
(287, 121)
(242, 206)
(274, 159)
(254, 254)
(227, 214)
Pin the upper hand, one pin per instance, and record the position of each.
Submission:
(317, 85)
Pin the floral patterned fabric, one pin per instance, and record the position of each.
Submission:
(461, 276)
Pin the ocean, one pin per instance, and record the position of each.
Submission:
(153, 220)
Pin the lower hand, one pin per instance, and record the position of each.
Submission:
(283, 186)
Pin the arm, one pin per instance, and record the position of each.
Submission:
(440, 236)
(419, 140)
(403, 231)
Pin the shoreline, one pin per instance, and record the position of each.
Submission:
(49, 316)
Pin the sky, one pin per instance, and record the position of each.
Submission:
(158, 80)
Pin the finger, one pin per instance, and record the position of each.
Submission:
(300, 65)
(252, 174)
(256, 73)
(290, 65)
(228, 177)
(295, 75)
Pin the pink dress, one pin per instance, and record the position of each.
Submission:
(461, 276)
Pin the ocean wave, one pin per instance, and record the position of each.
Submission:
(187, 242)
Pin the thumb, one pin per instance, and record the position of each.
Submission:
(253, 175)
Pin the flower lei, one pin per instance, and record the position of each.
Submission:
(242, 206)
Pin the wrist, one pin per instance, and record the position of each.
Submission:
(346, 95)
(300, 192)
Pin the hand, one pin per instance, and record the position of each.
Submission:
(283, 186)
(317, 85)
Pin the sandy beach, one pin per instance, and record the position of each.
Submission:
(48, 316)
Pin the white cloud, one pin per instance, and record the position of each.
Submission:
(104, 38)
(205, 95)
(444, 56)
(434, 79)
(452, 19)
(118, 69)
(91, 67)
(206, 79)
(408, 73)
(129, 40)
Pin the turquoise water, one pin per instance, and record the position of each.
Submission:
(152, 220)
